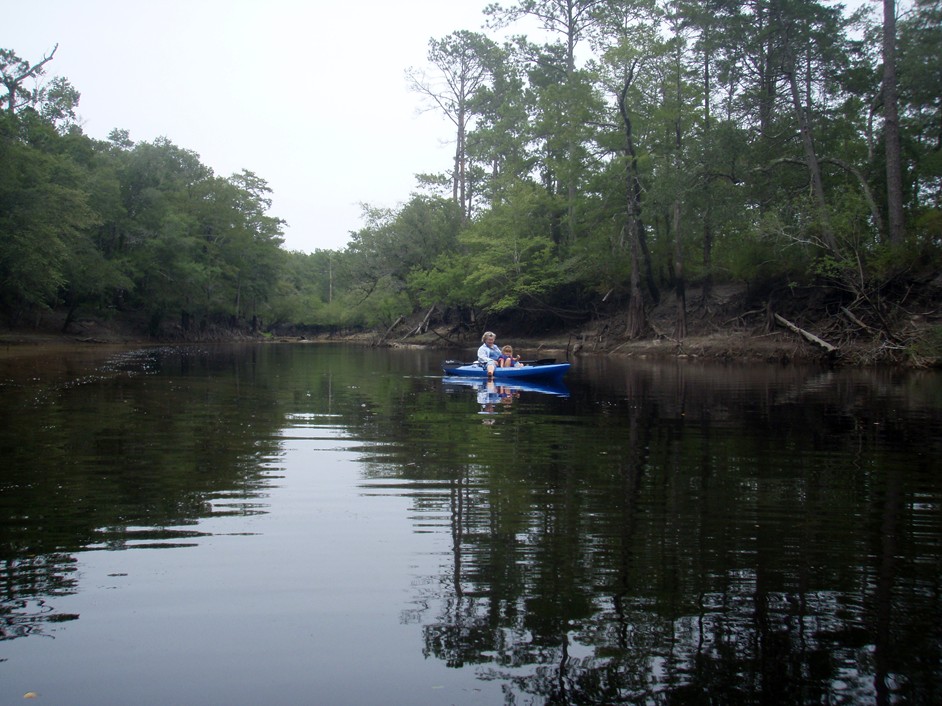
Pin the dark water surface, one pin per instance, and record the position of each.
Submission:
(311, 524)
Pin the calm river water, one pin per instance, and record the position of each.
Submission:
(316, 524)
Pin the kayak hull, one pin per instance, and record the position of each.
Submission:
(553, 371)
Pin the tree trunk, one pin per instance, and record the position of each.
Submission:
(388, 331)
(70, 316)
(807, 141)
(766, 84)
(894, 179)
(680, 282)
(708, 215)
(635, 222)
(461, 160)
(864, 187)
(635, 318)
(707, 287)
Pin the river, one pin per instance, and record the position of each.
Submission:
(320, 524)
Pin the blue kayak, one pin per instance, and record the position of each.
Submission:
(549, 371)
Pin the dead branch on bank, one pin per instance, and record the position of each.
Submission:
(807, 335)
(850, 315)
(422, 327)
(383, 338)
(447, 340)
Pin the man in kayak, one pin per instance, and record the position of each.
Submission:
(488, 353)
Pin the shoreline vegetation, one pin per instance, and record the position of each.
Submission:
(643, 196)
(728, 329)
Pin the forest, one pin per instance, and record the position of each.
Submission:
(642, 154)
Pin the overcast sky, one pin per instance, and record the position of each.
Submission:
(308, 94)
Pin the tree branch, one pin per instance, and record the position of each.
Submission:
(807, 335)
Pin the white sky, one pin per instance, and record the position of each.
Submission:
(308, 94)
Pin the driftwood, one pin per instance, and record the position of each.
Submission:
(447, 340)
(388, 331)
(831, 350)
(422, 327)
(855, 320)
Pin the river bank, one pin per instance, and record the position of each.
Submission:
(730, 326)
(776, 347)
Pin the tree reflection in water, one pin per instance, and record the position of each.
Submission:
(675, 559)
(95, 460)
(654, 534)
(27, 585)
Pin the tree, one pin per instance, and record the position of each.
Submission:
(14, 72)
(60, 101)
(500, 140)
(705, 18)
(383, 256)
(566, 101)
(627, 41)
(787, 28)
(89, 279)
(675, 92)
(920, 85)
(894, 179)
(462, 61)
(251, 250)
(43, 210)
(511, 261)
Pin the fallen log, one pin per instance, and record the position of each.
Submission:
(807, 335)
(422, 327)
(388, 331)
(855, 320)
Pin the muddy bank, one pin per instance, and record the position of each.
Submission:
(777, 347)
(736, 325)
(731, 325)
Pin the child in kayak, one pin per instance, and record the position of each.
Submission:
(507, 358)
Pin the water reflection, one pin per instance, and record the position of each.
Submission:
(29, 586)
(97, 458)
(493, 392)
(647, 534)
(703, 539)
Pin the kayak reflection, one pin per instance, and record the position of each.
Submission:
(491, 392)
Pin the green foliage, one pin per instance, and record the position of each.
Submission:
(43, 211)
(643, 140)
(146, 226)
(927, 228)
(304, 294)
(920, 85)
(766, 252)
(511, 257)
(90, 279)
(445, 283)
(929, 346)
